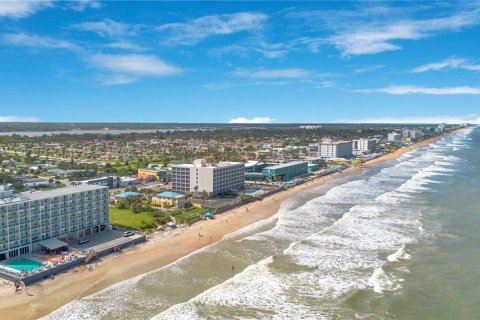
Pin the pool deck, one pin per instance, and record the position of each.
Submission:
(102, 243)
(27, 264)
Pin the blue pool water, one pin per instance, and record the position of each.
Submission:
(23, 264)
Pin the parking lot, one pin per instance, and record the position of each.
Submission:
(103, 240)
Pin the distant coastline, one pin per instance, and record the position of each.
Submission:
(97, 131)
(49, 128)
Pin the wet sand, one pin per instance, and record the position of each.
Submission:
(160, 250)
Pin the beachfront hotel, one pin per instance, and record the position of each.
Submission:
(336, 149)
(31, 222)
(364, 145)
(286, 171)
(223, 178)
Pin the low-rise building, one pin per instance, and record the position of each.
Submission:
(124, 195)
(169, 199)
(31, 182)
(154, 174)
(110, 181)
(128, 181)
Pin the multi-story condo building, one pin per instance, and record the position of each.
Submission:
(27, 221)
(364, 145)
(394, 136)
(223, 178)
(411, 134)
(336, 149)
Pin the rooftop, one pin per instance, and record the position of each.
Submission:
(127, 194)
(252, 163)
(335, 142)
(61, 191)
(285, 165)
(219, 165)
(39, 195)
(170, 194)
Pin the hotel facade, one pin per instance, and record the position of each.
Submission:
(336, 149)
(286, 171)
(225, 177)
(66, 213)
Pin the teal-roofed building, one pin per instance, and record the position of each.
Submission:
(169, 199)
(124, 195)
(127, 194)
(286, 171)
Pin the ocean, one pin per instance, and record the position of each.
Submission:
(398, 241)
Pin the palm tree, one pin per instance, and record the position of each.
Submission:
(196, 190)
(204, 195)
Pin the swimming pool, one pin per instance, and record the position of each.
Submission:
(23, 264)
(249, 192)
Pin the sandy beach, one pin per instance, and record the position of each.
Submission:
(160, 250)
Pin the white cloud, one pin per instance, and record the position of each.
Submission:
(82, 5)
(196, 30)
(401, 90)
(106, 28)
(124, 68)
(252, 120)
(291, 73)
(449, 63)
(21, 9)
(134, 64)
(373, 40)
(18, 119)
(34, 41)
(369, 69)
(125, 45)
(371, 32)
(117, 79)
(470, 118)
(249, 46)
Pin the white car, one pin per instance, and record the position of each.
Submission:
(128, 233)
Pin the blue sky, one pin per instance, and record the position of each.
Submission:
(289, 61)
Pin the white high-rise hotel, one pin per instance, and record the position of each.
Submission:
(335, 149)
(28, 219)
(364, 145)
(225, 177)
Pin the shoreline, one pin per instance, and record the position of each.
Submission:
(159, 251)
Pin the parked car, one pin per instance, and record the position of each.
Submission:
(128, 233)
(83, 241)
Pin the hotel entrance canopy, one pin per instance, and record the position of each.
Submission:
(53, 244)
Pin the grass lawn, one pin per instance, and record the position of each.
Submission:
(125, 218)
(181, 217)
